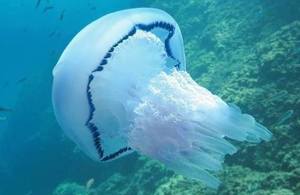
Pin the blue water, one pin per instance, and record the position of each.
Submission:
(30, 139)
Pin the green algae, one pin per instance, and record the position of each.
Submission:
(70, 189)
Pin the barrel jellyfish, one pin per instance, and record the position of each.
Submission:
(121, 86)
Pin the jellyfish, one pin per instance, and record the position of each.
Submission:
(121, 86)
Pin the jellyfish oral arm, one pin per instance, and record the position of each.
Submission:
(184, 126)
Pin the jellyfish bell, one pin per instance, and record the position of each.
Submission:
(89, 53)
(121, 86)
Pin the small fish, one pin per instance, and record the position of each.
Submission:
(90, 183)
(2, 109)
(47, 8)
(93, 8)
(52, 34)
(22, 80)
(37, 4)
(62, 15)
(288, 114)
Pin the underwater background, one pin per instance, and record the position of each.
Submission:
(247, 52)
